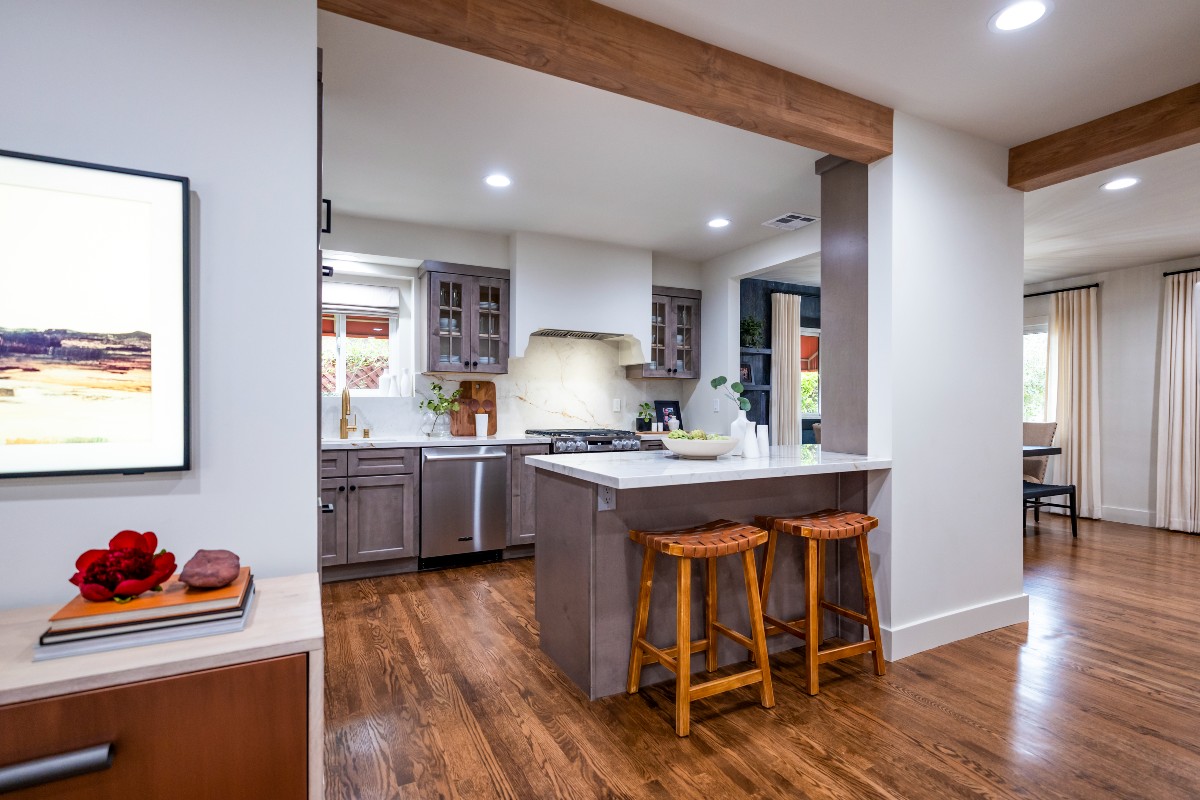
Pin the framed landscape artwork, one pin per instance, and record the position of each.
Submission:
(93, 319)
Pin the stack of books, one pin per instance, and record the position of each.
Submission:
(177, 612)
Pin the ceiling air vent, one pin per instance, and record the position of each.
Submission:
(790, 222)
(555, 333)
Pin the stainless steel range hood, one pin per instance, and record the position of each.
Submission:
(558, 333)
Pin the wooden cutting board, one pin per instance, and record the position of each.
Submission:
(478, 397)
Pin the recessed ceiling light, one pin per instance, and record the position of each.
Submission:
(719, 222)
(497, 180)
(1019, 15)
(1119, 183)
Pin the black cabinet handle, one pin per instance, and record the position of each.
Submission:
(327, 225)
(341, 488)
(353, 488)
(40, 771)
(474, 364)
(327, 508)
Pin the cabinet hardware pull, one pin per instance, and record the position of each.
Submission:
(327, 508)
(354, 488)
(469, 457)
(341, 488)
(40, 771)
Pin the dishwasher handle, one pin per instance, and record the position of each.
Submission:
(467, 457)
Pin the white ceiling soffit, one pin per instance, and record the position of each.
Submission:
(1076, 228)
(413, 127)
(805, 271)
(936, 59)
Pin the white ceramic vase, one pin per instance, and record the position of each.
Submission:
(739, 429)
(750, 448)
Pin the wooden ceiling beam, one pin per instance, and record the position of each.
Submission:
(593, 44)
(1147, 129)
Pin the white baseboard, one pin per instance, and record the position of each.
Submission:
(916, 637)
(1129, 516)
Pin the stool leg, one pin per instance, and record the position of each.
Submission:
(768, 571)
(710, 614)
(641, 615)
(868, 585)
(683, 638)
(758, 635)
(812, 612)
(822, 546)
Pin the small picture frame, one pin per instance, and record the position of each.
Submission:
(746, 373)
(663, 409)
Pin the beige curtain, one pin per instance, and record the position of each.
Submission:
(1073, 394)
(785, 369)
(1179, 406)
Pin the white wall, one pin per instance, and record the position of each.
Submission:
(386, 237)
(1130, 329)
(224, 93)
(676, 272)
(573, 284)
(949, 553)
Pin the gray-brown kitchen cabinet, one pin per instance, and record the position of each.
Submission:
(467, 324)
(674, 335)
(523, 477)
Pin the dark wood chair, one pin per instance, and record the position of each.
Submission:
(1035, 494)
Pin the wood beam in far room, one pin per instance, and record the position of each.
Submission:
(593, 44)
(1147, 129)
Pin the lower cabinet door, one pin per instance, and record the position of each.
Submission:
(333, 525)
(233, 732)
(521, 528)
(382, 518)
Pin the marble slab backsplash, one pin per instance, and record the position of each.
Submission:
(559, 383)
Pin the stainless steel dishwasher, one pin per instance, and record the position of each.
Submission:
(464, 500)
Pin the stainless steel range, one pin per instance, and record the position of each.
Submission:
(587, 440)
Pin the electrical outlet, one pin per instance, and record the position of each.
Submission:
(616, 405)
(716, 405)
(606, 498)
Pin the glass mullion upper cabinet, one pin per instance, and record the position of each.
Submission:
(674, 346)
(685, 335)
(468, 318)
(660, 349)
(489, 330)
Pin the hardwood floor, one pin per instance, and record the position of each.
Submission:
(436, 688)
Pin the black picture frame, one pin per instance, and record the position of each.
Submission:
(171, 452)
(746, 373)
(661, 409)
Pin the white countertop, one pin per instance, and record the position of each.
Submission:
(641, 470)
(421, 440)
(286, 619)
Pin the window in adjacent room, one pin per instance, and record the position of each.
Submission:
(810, 373)
(1036, 347)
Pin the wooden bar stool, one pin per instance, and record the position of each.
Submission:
(710, 541)
(817, 529)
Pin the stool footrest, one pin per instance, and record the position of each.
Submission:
(744, 641)
(669, 656)
(718, 685)
(861, 619)
(778, 626)
(846, 650)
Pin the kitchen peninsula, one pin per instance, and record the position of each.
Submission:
(588, 569)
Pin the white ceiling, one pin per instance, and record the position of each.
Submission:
(412, 127)
(936, 59)
(805, 271)
(1076, 227)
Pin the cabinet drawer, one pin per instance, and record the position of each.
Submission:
(333, 463)
(653, 444)
(237, 731)
(392, 461)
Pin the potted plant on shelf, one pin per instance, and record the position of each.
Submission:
(439, 407)
(752, 332)
(645, 417)
(741, 427)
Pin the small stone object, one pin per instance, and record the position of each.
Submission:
(211, 569)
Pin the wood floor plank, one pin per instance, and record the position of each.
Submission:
(435, 687)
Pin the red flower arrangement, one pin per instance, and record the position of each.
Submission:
(126, 569)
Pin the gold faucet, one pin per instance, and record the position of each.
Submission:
(343, 427)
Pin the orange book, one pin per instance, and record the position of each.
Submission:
(176, 599)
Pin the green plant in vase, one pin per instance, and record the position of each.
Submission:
(741, 427)
(733, 391)
(645, 416)
(752, 332)
(440, 405)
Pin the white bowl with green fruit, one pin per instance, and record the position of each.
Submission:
(698, 444)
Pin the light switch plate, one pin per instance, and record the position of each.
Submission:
(716, 405)
(616, 405)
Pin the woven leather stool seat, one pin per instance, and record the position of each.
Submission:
(718, 538)
(708, 543)
(828, 524)
(817, 530)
